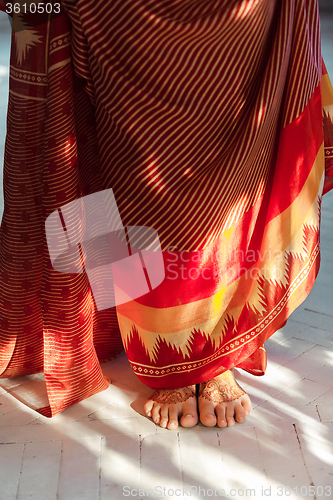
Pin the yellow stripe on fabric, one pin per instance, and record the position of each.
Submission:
(179, 339)
(176, 318)
(293, 217)
(327, 91)
(176, 324)
(182, 317)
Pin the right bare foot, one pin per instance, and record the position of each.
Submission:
(167, 406)
(222, 401)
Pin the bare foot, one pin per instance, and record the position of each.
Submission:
(222, 401)
(166, 406)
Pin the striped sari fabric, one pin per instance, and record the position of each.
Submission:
(212, 121)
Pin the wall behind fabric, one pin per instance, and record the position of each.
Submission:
(326, 5)
(5, 37)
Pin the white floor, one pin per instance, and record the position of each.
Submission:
(103, 449)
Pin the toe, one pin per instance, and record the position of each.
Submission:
(209, 419)
(164, 416)
(156, 413)
(189, 420)
(207, 414)
(239, 412)
(246, 403)
(221, 418)
(148, 407)
(190, 414)
(229, 413)
(173, 417)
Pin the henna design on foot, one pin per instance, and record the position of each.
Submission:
(221, 389)
(172, 396)
(171, 407)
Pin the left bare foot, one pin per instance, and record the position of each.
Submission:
(167, 407)
(222, 401)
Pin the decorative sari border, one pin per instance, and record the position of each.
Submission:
(239, 341)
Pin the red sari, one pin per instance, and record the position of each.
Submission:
(212, 123)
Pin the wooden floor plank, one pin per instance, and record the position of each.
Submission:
(321, 296)
(77, 430)
(302, 393)
(322, 355)
(291, 329)
(201, 462)
(323, 375)
(319, 336)
(120, 466)
(8, 403)
(315, 319)
(288, 350)
(40, 471)
(325, 411)
(160, 462)
(324, 405)
(10, 468)
(279, 379)
(79, 471)
(19, 416)
(282, 457)
(244, 468)
(316, 443)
